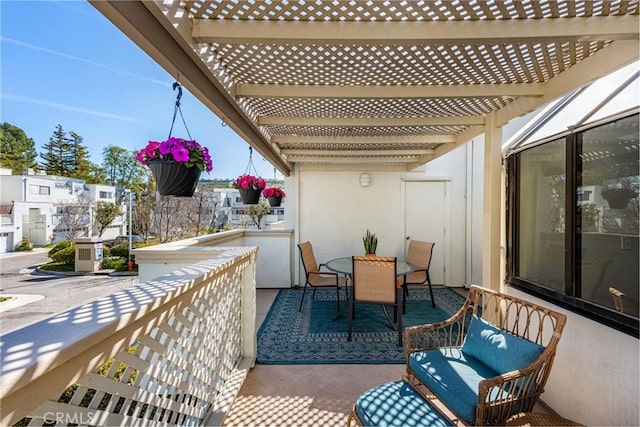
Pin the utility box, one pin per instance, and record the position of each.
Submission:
(88, 254)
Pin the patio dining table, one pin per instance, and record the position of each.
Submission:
(344, 265)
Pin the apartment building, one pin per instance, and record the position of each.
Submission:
(34, 205)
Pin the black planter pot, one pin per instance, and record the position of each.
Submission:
(249, 196)
(274, 202)
(174, 179)
(618, 198)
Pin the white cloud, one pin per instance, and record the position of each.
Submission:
(58, 106)
(85, 60)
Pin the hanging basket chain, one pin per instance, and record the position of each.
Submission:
(247, 171)
(177, 109)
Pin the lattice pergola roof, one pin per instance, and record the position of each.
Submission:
(377, 82)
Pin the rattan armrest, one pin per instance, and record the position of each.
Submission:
(448, 333)
(520, 386)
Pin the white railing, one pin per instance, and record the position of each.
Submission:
(275, 262)
(173, 351)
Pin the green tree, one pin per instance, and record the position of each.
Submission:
(57, 156)
(97, 175)
(122, 169)
(17, 151)
(106, 212)
(80, 157)
(65, 155)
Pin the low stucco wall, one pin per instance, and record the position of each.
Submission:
(274, 264)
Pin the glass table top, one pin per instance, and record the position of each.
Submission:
(344, 265)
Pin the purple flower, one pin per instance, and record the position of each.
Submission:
(178, 150)
(180, 153)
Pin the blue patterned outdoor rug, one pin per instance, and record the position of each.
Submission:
(289, 337)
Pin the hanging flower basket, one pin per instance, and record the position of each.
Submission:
(173, 178)
(176, 165)
(274, 195)
(274, 202)
(249, 196)
(250, 188)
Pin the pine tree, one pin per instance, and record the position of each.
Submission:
(57, 156)
(17, 151)
(79, 155)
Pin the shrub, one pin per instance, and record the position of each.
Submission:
(121, 250)
(106, 251)
(59, 246)
(66, 255)
(25, 245)
(118, 264)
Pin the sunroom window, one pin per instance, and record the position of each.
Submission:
(574, 223)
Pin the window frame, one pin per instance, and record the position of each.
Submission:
(570, 299)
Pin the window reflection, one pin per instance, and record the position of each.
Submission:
(608, 218)
(541, 216)
(594, 266)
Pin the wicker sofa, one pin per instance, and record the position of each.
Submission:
(489, 361)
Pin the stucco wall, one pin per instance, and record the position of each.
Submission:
(331, 209)
(595, 376)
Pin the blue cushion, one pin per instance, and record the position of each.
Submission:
(452, 377)
(396, 404)
(501, 351)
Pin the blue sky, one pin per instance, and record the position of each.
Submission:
(63, 63)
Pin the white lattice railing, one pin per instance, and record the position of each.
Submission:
(173, 351)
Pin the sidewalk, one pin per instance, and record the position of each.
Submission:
(4, 255)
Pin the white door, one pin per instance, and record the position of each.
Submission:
(425, 219)
(4, 245)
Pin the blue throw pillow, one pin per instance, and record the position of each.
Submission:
(499, 350)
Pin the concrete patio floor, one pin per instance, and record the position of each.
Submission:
(306, 395)
(297, 395)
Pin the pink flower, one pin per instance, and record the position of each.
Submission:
(179, 150)
(273, 192)
(246, 181)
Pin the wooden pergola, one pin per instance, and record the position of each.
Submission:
(386, 84)
(377, 82)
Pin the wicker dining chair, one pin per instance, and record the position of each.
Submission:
(374, 282)
(419, 256)
(316, 278)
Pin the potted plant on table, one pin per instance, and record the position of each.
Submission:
(250, 188)
(176, 165)
(370, 243)
(274, 195)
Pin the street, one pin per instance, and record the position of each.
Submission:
(35, 296)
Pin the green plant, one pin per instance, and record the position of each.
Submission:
(24, 246)
(370, 242)
(121, 250)
(113, 263)
(57, 266)
(66, 255)
(256, 212)
(57, 247)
